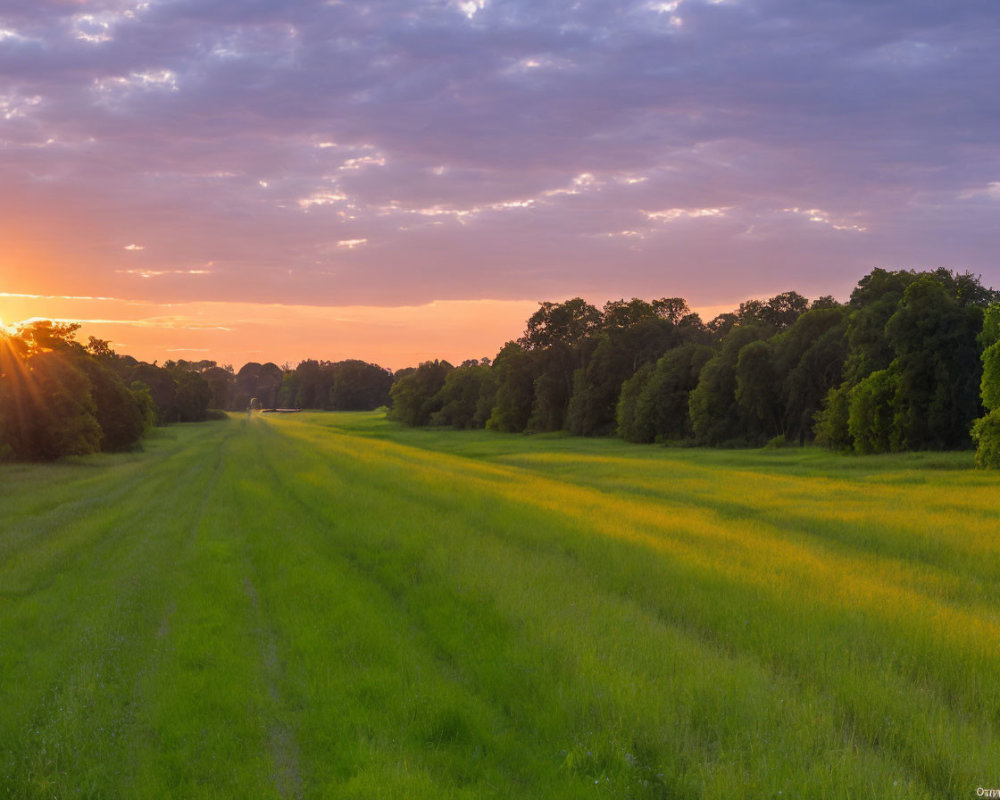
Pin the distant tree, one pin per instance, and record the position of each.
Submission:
(873, 302)
(515, 372)
(41, 336)
(192, 396)
(162, 388)
(632, 425)
(675, 310)
(147, 406)
(986, 430)
(269, 384)
(872, 408)
(100, 348)
(989, 341)
(220, 383)
(121, 415)
(487, 397)
(569, 323)
(832, 429)
(262, 381)
(415, 397)
(758, 389)
(661, 407)
(937, 362)
(779, 312)
(552, 387)
(459, 396)
(808, 360)
(288, 394)
(313, 383)
(639, 336)
(716, 416)
(720, 327)
(621, 314)
(918, 330)
(359, 386)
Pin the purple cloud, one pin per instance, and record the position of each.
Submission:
(400, 152)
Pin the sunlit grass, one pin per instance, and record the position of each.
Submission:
(331, 605)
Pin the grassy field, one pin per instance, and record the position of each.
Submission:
(332, 606)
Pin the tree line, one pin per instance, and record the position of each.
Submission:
(59, 397)
(910, 362)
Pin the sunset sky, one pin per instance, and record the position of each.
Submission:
(395, 181)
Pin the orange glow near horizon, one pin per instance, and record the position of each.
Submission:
(237, 332)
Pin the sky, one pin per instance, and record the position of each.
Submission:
(252, 180)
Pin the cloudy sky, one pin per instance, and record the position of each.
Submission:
(399, 180)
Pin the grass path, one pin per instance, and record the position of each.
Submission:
(331, 606)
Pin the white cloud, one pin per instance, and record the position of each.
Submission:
(825, 218)
(364, 161)
(99, 27)
(323, 197)
(673, 214)
(471, 7)
(157, 273)
(8, 35)
(14, 105)
(113, 90)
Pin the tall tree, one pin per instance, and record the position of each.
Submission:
(986, 430)
(359, 386)
(415, 396)
(569, 322)
(515, 371)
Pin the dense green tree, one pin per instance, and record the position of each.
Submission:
(260, 381)
(60, 398)
(147, 406)
(120, 413)
(192, 396)
(779, 312)
(220, 382)
(569, 322)
(515, 370)
(46, 404)
(832, 429)
(758, 389)
(662, 405)
(459, 396)
(313, 382)
(632, 424)
(986, 430)
(716, 416)
(989, 341)
(937, 363)
(636, 333)
(415, 396)
(162, 388)
(921, 328)
(808, 360)
(873, 302)
(986, 435)
(359, 386)
(487, 398)
(871, 412)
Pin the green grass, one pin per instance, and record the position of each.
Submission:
(329, 605)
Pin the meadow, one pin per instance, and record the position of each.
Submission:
(332, 605)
